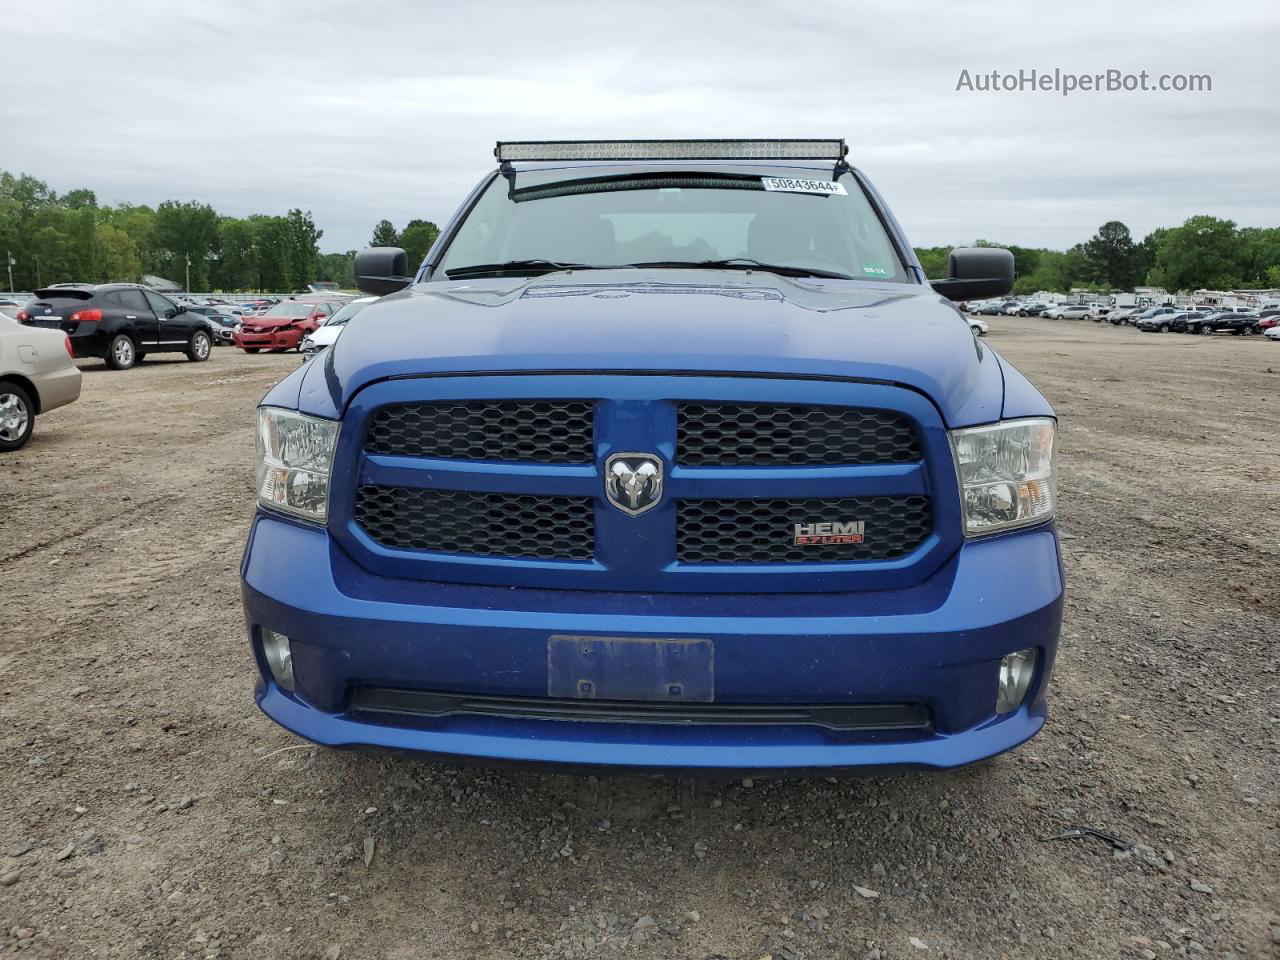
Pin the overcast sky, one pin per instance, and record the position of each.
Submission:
(359, 111)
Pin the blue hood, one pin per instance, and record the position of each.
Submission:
(665, 321)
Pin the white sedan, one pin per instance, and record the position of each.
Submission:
(328, 332)
(1272, 333)
(978, 326)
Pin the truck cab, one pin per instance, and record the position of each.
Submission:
(667, 457)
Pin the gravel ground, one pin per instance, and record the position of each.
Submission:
(147, 809)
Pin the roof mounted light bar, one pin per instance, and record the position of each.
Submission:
(516, 150)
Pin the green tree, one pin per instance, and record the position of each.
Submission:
(237, 267)
(48, 251)
(384, 235)
(271, 250)
(1261, 252)
(21, 199)
(933, 260)
(187, 231)
(337, 267)
(1144, 256)
(1205, 252)
(116, 255)
(302, 247)
(417, 238)
(1110, 257)
(80, 199)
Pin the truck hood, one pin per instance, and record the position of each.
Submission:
(683, 321)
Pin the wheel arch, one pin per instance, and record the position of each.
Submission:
(26, 385)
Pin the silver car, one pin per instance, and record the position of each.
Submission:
(37, 375)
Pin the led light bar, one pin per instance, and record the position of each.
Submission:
(510, 150)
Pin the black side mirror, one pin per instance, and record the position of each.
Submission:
(382, 270)
(171, 313)
(976, 272)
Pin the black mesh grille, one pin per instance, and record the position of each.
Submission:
(763, 531)
(480, 524)
(759, 435)
(541, 431)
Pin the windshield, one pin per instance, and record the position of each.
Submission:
(346, 313)
(291, 310)
(628, 215)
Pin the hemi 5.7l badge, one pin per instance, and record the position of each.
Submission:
(817, 534)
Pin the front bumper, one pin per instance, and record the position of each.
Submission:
(937, 644)
(275, 340)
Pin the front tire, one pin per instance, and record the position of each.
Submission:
(17, 416)
(1164, 328)
(122, 352)
(1204, 329)
(198, 347)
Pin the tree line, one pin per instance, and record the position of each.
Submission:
(54, 238)
(1204, 253)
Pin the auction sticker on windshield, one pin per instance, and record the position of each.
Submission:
(790, 185)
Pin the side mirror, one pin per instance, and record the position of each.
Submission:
(171, 313)
(382, 270)
(976, 272)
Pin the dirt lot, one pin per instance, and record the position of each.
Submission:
(147, 809)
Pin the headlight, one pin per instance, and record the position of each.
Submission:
(1006, 474)
(295, 458)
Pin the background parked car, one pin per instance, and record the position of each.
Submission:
(1068, 311)
(1211, 322)
(37, 374)
(1150, 312)
(1272, 333)
(328, 332)
(995, 308)
(119, 322)
(1033, 309)
(283, 325)
(979, 327)
(1231, 321)
(1164, 322)
(222, 322)
(1268, 318)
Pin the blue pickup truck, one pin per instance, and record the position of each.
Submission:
(668, 457)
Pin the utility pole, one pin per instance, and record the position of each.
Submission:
(8, 255)
(188, 286)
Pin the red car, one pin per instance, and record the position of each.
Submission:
(1269, 319)
(283, 325)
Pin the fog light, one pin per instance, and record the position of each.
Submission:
(1016, 671)
(275, 647)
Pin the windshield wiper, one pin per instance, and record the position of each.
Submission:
(517, 267)
(745, 263)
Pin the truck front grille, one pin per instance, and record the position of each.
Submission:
(765, 434)
(500, 480)
(478, 524)
(525, 431)
(763, 531)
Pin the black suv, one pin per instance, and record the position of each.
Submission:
(1232, 321)
(120, 322)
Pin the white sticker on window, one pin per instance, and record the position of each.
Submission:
(791, 185)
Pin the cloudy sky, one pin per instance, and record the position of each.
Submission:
(359, 111)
